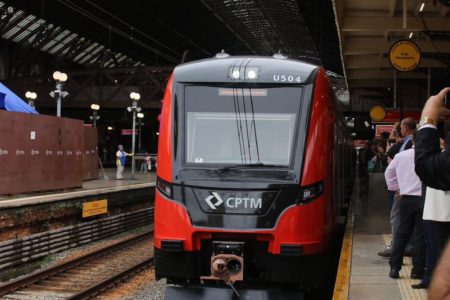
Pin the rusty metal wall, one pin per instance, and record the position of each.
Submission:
(39, 153)
(90, 154)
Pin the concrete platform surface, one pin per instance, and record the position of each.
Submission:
(106, 183)
(369, 273)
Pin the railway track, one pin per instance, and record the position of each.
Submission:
(86, 276)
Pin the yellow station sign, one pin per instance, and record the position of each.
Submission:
(377, 113)
(94, 208)
(404, 56)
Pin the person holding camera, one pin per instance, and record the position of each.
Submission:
(432, 165)
(433, 168)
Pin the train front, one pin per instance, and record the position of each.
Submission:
(232, 204)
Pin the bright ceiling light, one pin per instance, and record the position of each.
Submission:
(95, 106)
(422, 6)
(56, 75)
(63, 77)
(135, 96)
(59, 76)
(30, 95)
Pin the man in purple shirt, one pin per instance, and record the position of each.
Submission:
(401, 177)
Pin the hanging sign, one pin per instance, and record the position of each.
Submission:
(377, 113)
(129, 132)
(404, 55)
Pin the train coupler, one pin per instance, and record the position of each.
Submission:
(227, 263)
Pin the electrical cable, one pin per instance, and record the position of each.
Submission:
(134, 28)
(85, 13)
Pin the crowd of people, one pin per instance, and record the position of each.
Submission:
(416, 166)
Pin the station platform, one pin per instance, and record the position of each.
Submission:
(107, 183)
(362, 274)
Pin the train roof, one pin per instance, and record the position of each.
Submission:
(237, 68)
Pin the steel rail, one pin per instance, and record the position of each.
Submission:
(115, 279)
(33, 278)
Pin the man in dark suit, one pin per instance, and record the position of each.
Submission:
(433, 168)
(432, 165)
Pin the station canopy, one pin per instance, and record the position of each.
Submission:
(108, 47)
(368, 30)
(111, 34)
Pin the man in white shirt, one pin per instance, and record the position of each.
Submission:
(121, 158)
(401, 177)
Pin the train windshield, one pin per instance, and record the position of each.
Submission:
(248, 126)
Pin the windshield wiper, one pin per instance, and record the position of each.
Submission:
(253, 165)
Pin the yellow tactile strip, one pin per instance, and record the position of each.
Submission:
(342, 283)
(405, 282)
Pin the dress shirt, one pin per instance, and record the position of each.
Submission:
(405, 142)
(400, 175)
(427, 126)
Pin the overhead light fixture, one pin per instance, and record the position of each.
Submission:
(95, 106)
(31, 96)
(135, 109)
(422, 6)
(110, 128)
(135, 96)
(59, 93)
(410, 35)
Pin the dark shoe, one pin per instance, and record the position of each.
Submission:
(416, 275)
(385, 253)
(394, 274)
(419, 286)
(408, 253)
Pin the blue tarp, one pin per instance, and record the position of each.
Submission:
(11, 102)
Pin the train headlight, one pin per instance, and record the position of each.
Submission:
(310, 192)
(164, 187)
(235, 74)
(249, 73)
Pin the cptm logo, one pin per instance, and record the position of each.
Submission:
(218, 202)
(233, 202)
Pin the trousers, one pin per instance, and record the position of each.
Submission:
(119, 174)
(410, 209)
